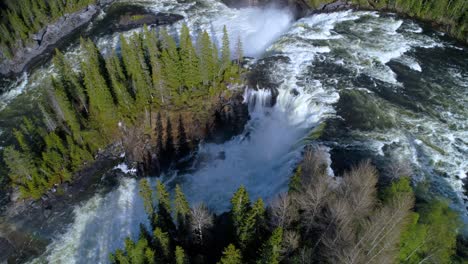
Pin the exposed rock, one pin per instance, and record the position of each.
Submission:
(127, 22)
(335, 6)
(46, 39)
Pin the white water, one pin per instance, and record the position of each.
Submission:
(263, 156)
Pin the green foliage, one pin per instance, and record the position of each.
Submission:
(390, 231)
(295, 181)
(180, 257)
(22, 18)
(231, 255)
(240, 206)
(148, 201)
(270, 252)
(181, 207)
(83, 109)
(135, 253)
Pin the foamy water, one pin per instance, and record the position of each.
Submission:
(360, 45)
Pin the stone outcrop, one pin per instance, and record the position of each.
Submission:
(46, 39)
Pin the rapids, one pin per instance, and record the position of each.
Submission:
(404, 87)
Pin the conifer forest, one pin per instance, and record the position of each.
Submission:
(234, 132)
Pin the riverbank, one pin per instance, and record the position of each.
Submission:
(303, 8)
(28, 226)
(46, 40)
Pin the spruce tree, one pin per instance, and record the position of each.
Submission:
(172, 69)
(181, 208)
(70, 81)
(189, 59)
(124, 100)
(162, 241)
(164, 208)
(148, 200)
(180, 257)
(225, 51)
(183, 148)
(101, 105)
(169, 150)
(208, 59)
(240, 206)
(270, 252)
(231, 255)
(151, 45)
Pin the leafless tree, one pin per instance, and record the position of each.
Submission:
(201, 219)
(399, 168)
(311, 200)
(314, 164)
(282, 211)
(359, 188)
(291, 242)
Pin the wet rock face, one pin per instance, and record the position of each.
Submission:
(46, 39)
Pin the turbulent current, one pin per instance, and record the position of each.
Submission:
(386, 88)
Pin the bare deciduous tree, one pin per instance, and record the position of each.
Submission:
(291, 242)
(201, 219)
(282, 211)
(314, 164)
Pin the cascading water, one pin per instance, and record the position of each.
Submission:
(311, 63)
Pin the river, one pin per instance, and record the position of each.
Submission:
(385, 87)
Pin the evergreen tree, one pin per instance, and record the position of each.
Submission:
(151, 45)
(70, 81)
(189, 59)
(159, 134)
(270, 252)
(172, 68)
(240, 207)
(231, 255)
(101, 105)
(169, 151)
(180, 257)
(148, 201)
(181, 208)
(183, 148)
(164, 208)
(162, 242)
(207, 59)
(225, 51)
(253, 222)
(64, 111)
(123, 98)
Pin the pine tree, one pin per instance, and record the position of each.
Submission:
(124, 100)
(169, 151)
(189, 59)
(64, 112)
(148, 201)
(240, 206)
(70, 81)
(101, 105)
(159, 135)
(180, 257)
(162, 241)
(252, 224)
(225, 51)
(151, 45)
(171, 61)
(164, 208)
(207, 59)
(183, 148)
(231, 255)
(181, 207)
(270, 252)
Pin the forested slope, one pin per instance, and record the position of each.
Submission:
(116, 99)
(321, 219)
(22, 18)
(451, 15)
